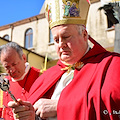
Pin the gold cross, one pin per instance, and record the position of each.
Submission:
(77, 65)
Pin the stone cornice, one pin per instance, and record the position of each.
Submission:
(24, 21)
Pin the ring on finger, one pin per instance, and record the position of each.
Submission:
(17, 116)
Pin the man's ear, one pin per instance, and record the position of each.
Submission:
(85, 35)
(24, 57)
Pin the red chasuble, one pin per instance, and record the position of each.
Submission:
(20, 90)
(94, 92)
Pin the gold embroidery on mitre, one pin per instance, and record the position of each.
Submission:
(66, 12)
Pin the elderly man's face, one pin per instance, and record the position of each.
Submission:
(13, 64)
(70, 45)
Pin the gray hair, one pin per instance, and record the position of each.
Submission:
(13, 45)
(81, 28)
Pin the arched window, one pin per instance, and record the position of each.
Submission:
(29, 38)
(6, 37)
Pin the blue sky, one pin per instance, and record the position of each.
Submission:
(15, 10)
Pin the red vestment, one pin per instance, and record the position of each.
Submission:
(94, 92)
(20, 90)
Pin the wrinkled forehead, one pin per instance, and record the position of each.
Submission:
(64, 29)
(68, 27)
(9, 55)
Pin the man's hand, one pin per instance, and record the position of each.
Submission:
(22, 110)
(46, 108)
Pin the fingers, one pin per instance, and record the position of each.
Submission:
(46, 108)
(26, 115)
(13, 104)
(22, 110)
(37, 104)
(20, 103)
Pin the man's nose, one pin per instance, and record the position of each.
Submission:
(62, 43)
(12, 69)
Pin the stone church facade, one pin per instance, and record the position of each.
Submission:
(42, 42)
